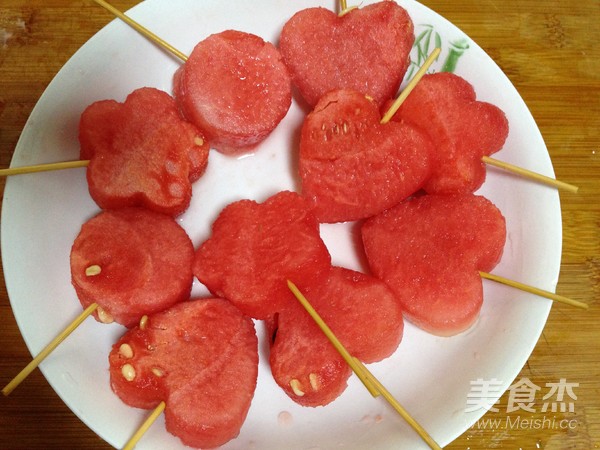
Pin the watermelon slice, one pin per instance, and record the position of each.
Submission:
(141, 152)
(353, 167)
(255, 247)
(366, 50)
(429, 250)
(131, 262)
(200, 357)
(462, 129)
(303, 361)
(235, 88)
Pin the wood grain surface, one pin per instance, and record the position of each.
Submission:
(548, 49)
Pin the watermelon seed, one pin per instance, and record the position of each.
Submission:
(345, 127)
(93, 270)
(128, 372)
(126, 351)
(176, 190)
(314, 381)
(295, 385)
(143, 322)
(198, 141)
(104, 316)
(171, 166)
(156, 371)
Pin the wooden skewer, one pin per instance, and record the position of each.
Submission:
(410, 86)
(144, 427)
(531, 175)
(48, 349)
(486, 159)
(360, 370)
(43, 167)
(141, 29)
(354, 363)
(533, 290)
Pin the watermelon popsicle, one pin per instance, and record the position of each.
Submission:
(351, 166)
(429, 251)
(373, 385)
(253, 246)
(433, 251)
(235, 88)
(464, 131)
(304, 364)
(197, 360)
(141, 152)
(131, 262)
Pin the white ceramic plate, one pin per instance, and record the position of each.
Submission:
(430, 376)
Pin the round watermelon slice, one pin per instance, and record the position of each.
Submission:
(131, 262)
(235, 88)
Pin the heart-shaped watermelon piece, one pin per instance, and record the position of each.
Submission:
(351, 165)
(366, 50)
(360, 310)
(430, 249)
(200, 357)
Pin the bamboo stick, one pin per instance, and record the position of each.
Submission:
(48, 349)
(368, 379)
(144, 427)
(533, 290)
(43, 167)
(142, 30)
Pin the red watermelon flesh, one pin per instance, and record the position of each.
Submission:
(462, 129)
(360, 310)
(201, 358)
(351, 165)
(141, 152)
(255, 247)
(235, 88)
(144, 260)
(429, 251)
(304, 363)
(366, 50)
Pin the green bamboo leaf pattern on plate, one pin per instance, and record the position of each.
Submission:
(429, 39)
